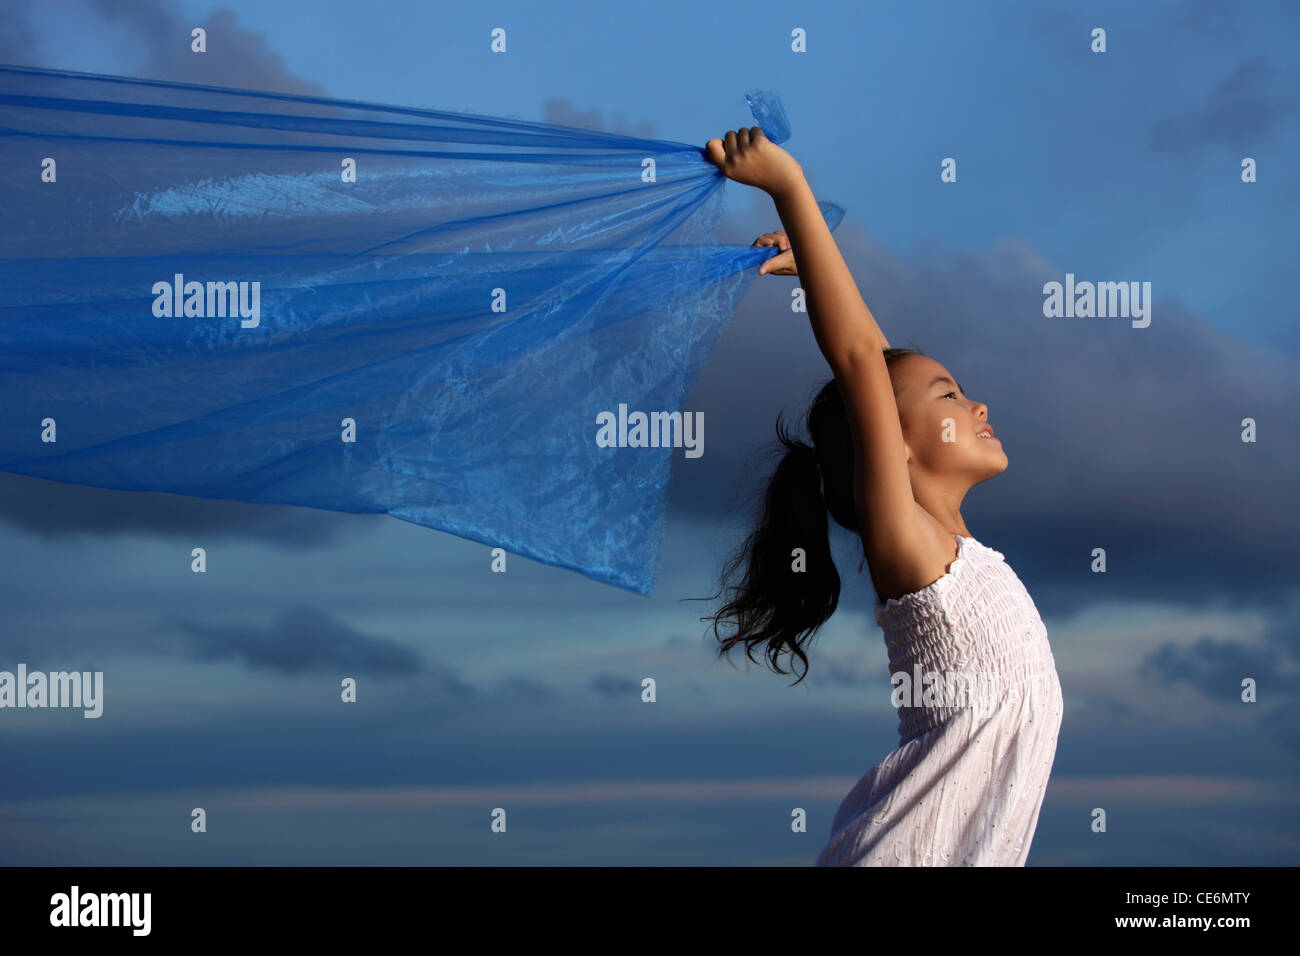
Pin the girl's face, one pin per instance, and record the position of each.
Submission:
(941, 425)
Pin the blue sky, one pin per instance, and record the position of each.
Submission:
(222, 692)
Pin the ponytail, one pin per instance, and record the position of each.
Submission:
(790, 586)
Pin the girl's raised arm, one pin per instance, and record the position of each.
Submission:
(850, 340)
(784, 264)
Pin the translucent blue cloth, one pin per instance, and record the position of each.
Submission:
(199, 298)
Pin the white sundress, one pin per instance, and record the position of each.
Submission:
(966, 783)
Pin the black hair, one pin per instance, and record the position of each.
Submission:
(775, 603)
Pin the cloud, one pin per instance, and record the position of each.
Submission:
(1110, 430)
(520, 688)
(1212, 20)
(52, 510)
(148, 32)
(17, 38)
(1124, 438)
(1241, 112)
(1216, 668)
(560, 111)
(1104, 706)
(610, 685)
(302, 641)
(236, 56)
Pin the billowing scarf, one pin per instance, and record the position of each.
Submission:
(481, 325)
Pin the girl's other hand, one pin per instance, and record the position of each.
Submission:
(782, 265)
(749, 157)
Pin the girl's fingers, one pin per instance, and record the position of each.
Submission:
(781, 264)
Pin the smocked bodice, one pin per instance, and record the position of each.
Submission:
(976, 620)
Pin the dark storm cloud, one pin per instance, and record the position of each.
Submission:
(1118, 437)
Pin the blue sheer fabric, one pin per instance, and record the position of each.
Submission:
(305, 301)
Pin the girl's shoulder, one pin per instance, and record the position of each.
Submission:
(913, 565)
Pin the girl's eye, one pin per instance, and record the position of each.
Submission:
(953, 394)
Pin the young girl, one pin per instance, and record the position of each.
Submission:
(897, 443)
